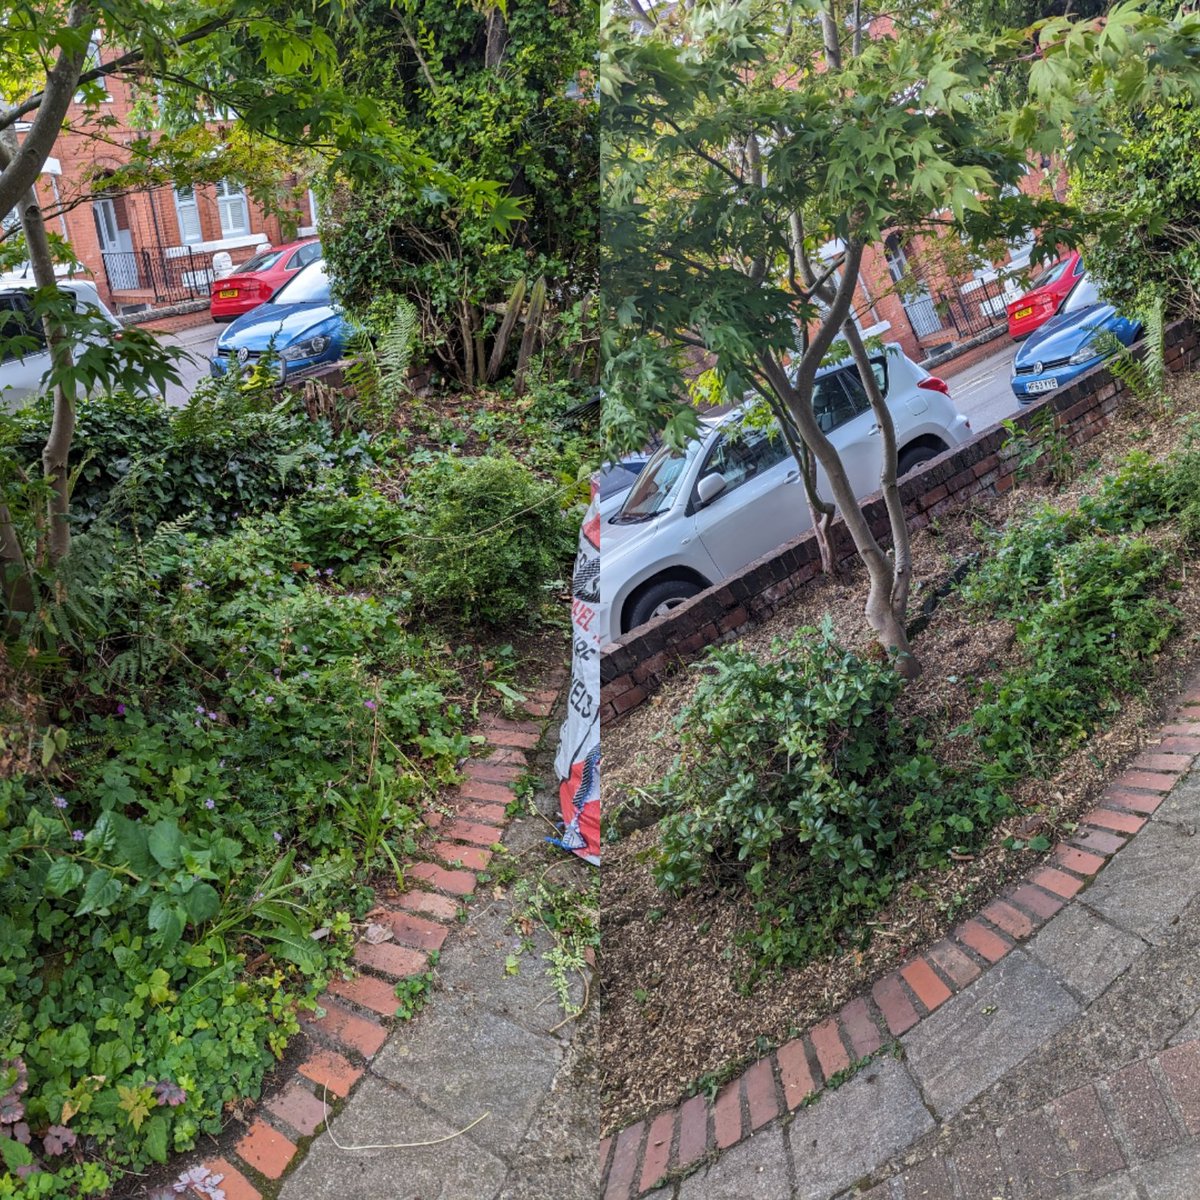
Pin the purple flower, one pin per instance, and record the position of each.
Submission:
(210, 804)
(303, 649)
(200, 709)
(277, 836)
(60, 802)
(328, 570)
(120, 710)
(212, 716)
(57, 1139)
(270, 699)
(370, 704)
(77, 835)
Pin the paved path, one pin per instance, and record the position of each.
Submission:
(485, 1047)
(1068, 1068)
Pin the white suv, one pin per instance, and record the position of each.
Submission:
(21, 375)
(697, 515)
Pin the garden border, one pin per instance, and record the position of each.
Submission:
(634, 667)
(359, 1013)
(677, 1141)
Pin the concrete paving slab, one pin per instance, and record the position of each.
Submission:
(528, 997)
(758, 1167)
(1182, 806)
(1085, 951)
(461, 1061)
(1146, 887)
(985, 1031)
(854, 1129)
(379, 1115)
(1175, 1176)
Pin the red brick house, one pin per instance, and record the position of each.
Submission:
(154, 247)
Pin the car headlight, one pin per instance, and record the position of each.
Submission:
(1085, 353)
(309, 348)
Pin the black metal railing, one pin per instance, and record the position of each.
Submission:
(960, 308)
(169, 277)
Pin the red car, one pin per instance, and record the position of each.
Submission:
(1045, 296)
(257, 280)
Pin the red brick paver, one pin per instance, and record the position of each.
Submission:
(1091, 1145)
(727, 1115)
(831, 1054)
(982, 940)
(266, 1150)
(923, 980)
(1014, 922)
(296, 1105)
(895, 1005)
(430, 903)
(473, 832)
(233, 1183)
(624, 1162)
(417, 931)
(795, 1074)
(1079, 861)
(1107, 818)
(389, 959)
(1181, 1066)
(329, 1070)
(341, 1025)
(366, 990)
(761, 1097)
(693, 1131)
(489, 793)
(1058, 882)
(457, 883)
(658, 1149)
(862, 1031)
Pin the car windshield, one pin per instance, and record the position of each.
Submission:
(260, 262)
(1083, 294)
(310, 285)
(657, 485)
(616, 477)
(1051, 276)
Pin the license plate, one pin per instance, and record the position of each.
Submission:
(1042, 385)
(1023, 312)
(227, 293)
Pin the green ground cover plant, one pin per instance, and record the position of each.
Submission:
(250, 685)
(803, 783)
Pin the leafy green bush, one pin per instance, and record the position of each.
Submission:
(489, 538)
(236, 448)
(797, 781)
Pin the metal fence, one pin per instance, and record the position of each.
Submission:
(954, 307)
(169, 280)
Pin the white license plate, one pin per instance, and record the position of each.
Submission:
(1042, 385)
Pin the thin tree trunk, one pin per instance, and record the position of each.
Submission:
(829, 32)
(57, 451)
(798, 397)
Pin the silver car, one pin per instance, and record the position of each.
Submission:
(699, 514)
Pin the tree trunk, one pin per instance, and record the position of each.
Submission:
(57, 451)
(798, 397)
(15, 584)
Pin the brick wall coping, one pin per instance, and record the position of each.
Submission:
(632, 668)
(681, 1139)
(961, 349)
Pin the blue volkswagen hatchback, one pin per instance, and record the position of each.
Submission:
(1062, 349)
(301, 324)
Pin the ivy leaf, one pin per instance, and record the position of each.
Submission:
(136, 1103)
(64, 876)
(167, 919)
(101, 892)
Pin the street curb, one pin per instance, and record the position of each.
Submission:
(675, 1142)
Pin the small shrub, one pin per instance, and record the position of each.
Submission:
(797, 781)
(489, 538)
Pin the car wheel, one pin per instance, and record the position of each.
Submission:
(658, 599)
(914, 456)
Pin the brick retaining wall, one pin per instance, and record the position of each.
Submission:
(632, 668)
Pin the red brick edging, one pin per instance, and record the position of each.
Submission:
(358, 1011)
(677, 1141)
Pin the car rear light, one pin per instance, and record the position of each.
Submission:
(934, 384)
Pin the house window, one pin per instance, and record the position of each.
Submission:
(189, 215)
(92, 62)
(231, 206)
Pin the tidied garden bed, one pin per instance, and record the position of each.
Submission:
(687, 992)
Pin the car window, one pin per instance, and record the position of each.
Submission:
(295, 262)
(1082, 294)
(840, 397)
(309, 253)
(310, 285)
(741, 456)
(260, 262)
(1051, 276)
(18, 320)
(1078, 268)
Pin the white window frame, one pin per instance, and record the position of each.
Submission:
(231, 202)
(91, 62)
(188, 213)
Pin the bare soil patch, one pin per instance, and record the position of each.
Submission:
(677, 1013)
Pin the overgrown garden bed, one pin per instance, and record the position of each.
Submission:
(221, 724)
(790, 823)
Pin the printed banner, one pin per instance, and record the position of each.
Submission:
(578, 761)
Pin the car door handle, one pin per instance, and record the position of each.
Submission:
(873, 431)
(792, 476)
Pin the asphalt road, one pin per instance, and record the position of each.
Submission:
(981, 392)
(198, 344)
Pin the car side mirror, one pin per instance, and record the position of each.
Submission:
(710, 487)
